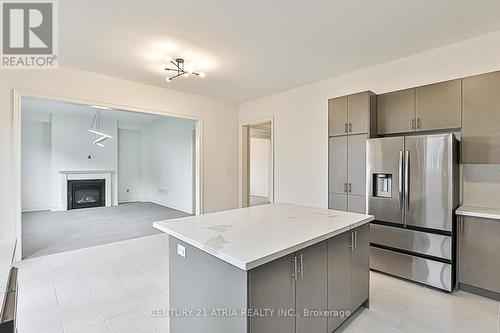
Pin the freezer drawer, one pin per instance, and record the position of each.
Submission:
(429, 272)
(414, 241)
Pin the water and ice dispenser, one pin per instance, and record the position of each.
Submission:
(382, 185)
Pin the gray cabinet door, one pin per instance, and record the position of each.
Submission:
(479, 253)
(337, 116)
(396, 112)
(337, 201)
(271, 286)
(337, 164)
(358, 106)
(481, 119)
(339, 279)
(439, 106)
(311, 292)
(356, 157)
(356, 204)
(360, 274)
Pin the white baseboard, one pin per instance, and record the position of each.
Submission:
(165, 204)
(35, 209)
(129, 201)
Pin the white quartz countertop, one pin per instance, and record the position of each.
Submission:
(477, 211)
(250, 237)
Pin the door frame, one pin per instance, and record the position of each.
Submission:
(244, 161)
(17, 96)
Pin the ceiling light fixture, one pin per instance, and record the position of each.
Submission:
(180, 70)
(95, 128)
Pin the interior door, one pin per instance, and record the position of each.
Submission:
(430, 192)
(311, 292)
(384, 178)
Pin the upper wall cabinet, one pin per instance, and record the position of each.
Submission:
(337, 114)
(439, 106)
(396, 112)
(427, 108)
(351, 114)
(481, 119)
(358, 106)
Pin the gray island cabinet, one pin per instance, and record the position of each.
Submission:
(275, 268)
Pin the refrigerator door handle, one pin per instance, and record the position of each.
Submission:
(407, 182)
(400, 183)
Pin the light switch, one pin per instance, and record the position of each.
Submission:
(181, 250)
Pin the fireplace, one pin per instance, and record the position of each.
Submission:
(86, 193)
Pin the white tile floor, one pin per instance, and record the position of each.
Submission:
(106, 288)
(114, 287)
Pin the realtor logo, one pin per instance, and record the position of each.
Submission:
(28, 34)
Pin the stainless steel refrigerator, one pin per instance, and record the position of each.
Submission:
(412, 190)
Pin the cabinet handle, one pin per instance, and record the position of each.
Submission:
(350, 187)
(462, 224)
(419, 123)
(301, 267)
(345, 187)
(294, 268)
(412, 123)
(345, 127)
(355, 239)
(350, 127)
(351, 241)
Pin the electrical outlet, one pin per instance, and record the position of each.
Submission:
(162, 191)
(181, 250)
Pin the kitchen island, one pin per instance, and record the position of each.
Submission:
(271, 268)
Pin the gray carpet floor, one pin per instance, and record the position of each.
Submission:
(47, 232)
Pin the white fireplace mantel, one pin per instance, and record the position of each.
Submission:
(83, 175)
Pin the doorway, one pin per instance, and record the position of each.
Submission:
(257, 163)
(130, 171)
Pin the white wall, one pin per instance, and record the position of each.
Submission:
(220, 131)
(168, 163)
(260, 159)
(301, 114)
(129, 165)
(72, 145)
(36, 165)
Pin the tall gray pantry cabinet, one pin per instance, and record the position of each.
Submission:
(352, 120)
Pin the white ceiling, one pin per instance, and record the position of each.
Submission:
(39, 109)
(255, 48)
